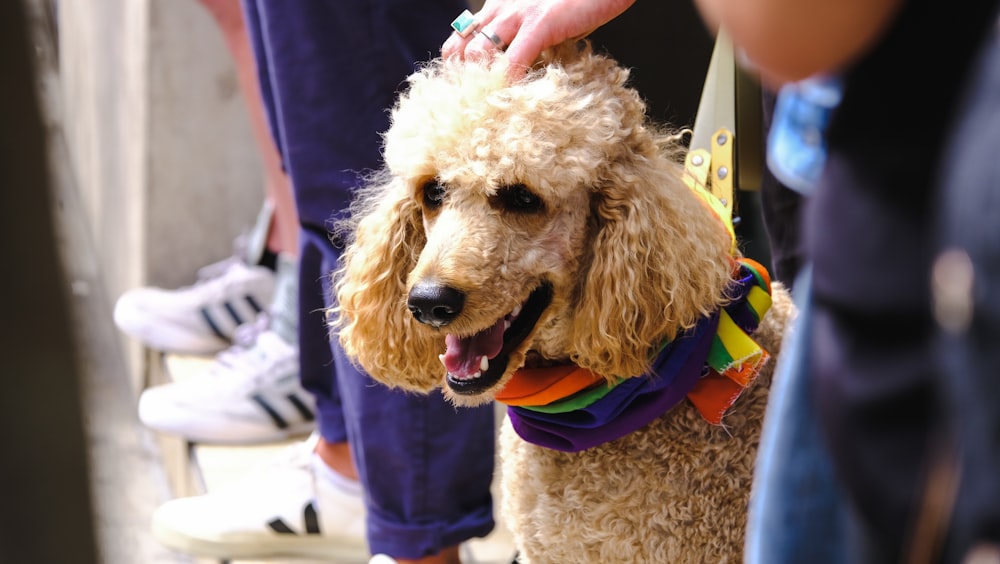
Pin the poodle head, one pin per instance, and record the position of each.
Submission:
(534, 223)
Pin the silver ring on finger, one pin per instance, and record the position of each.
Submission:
(494, 39)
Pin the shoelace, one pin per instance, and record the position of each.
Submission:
(245, 335)
(250, 359)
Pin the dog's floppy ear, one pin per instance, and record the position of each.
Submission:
(375, 327)
(660, 261)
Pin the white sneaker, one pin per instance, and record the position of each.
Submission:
(286, 510)
(197, 319)
(382, 559)
(251, 394)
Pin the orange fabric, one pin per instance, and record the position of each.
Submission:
(542, 386)
(713, 395)
(743, 373)
(759, 269)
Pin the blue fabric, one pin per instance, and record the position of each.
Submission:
(779, 208)
(329, 71)
(873, 376)
(870, 241)
(797, 513)
(796, 150)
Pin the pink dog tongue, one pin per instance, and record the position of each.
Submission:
(463, 356)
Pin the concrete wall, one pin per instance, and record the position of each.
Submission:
(159, 137)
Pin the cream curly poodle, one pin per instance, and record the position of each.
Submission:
(535, 243)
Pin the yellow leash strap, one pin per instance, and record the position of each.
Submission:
(710, 165)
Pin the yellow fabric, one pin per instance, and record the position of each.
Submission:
(759, 300)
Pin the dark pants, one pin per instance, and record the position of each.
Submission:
(329, 71)
(970, 198)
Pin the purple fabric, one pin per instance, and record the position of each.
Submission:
(631, 405)
(739, 309)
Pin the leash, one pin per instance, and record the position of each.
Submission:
(718, 162)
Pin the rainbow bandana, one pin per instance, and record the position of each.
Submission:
(570, 409)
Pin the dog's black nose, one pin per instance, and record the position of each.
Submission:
(435, 304)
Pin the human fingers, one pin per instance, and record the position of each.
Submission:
(527, 27)
(483, 37)
(500, 23)
(464, 27)
(502, 20)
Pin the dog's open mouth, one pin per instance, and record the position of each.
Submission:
(476, 363)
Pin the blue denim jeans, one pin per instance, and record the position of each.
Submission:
(797, 513)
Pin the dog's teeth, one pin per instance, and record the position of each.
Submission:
(441, 358)
(506, 324)
(515, 312)
(484, 364)
(472, 376)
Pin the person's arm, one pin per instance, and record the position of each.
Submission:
(787, 40)
(790, 40)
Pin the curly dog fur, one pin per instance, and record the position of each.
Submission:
(554, 207)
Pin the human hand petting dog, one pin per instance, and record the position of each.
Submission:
(524, 28)
(786, 40)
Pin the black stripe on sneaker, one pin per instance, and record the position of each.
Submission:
(275, 416)
(311, 519)
(279, 526)
(253, 303)
(207, 316)
(301, 407)
(233, 313)
(309, 516)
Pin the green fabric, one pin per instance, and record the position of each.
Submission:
(576, 401)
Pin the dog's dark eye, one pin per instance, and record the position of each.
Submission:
(433, 194)
(517, 197)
